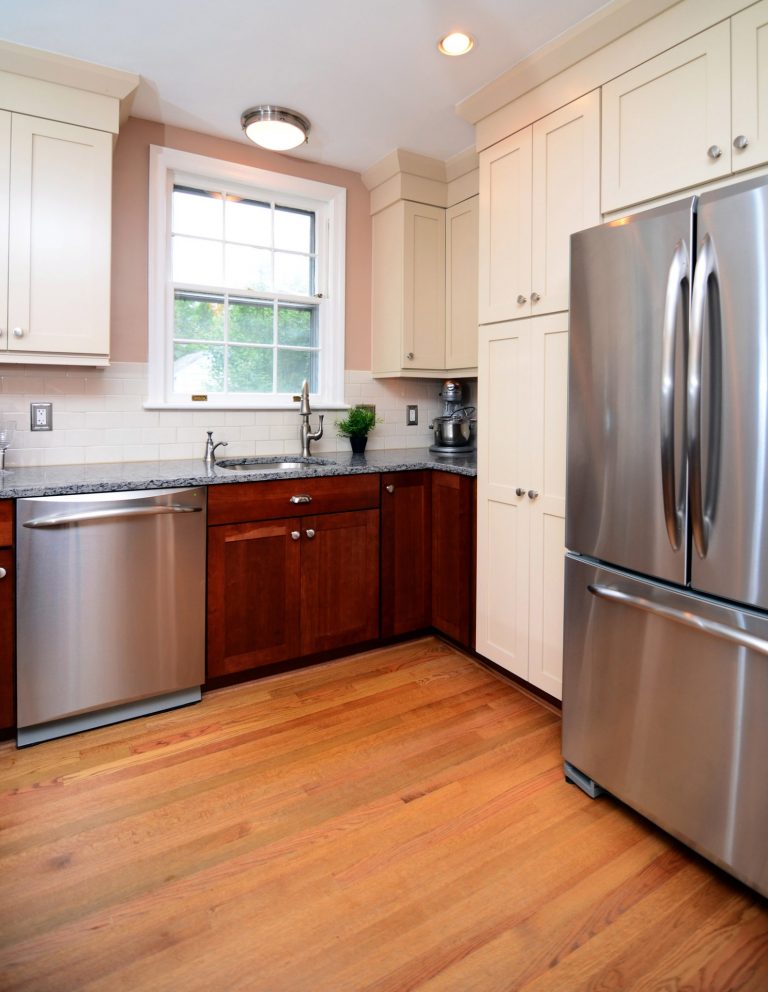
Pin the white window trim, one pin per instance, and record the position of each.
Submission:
(167, 165)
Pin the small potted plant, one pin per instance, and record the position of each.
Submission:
(356, 426)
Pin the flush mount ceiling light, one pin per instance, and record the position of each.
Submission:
(456, 43)
(275, 128)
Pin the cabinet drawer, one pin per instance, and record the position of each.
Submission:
(6, 523)
(243, 501)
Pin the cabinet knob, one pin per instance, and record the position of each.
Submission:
(3, 573)
(714, 151)
(740, 141)
(409, 356)
(390, 488)
(532, 494)
(535, 297)
(519, 491)
(18, 332)
(522, 299)
(310, 533)
(301, 498)
(295, 535)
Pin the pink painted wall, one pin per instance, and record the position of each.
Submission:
(129, 231)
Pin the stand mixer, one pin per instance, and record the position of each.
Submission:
(454, 429)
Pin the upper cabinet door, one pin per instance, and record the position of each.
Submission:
(5, 174)
(60, 230)
(505, 229)
(461, 285)
(749, 39)
(667, 123)
(566, 195)
(424, 287)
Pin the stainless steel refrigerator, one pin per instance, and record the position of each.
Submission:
(665, 681)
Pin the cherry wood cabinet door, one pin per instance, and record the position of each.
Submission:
(339, 580)
(6, 640)
(406, 552)
(253, 595)
(453, 556)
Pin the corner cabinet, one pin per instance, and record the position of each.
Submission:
(293, 570)
(55, 226)
(522, 390)
(537, 187)
(424, 277)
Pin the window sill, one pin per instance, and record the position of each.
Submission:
(318, 405)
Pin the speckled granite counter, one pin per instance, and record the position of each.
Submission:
(60, 480)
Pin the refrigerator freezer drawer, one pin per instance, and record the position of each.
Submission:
(664, 705)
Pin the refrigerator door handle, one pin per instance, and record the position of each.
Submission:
(687, 619)
(705, 299)
(677, 282)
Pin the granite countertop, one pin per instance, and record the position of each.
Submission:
(60, 480)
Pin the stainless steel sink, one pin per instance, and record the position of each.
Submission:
(270, 464)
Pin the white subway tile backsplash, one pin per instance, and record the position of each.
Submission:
(98, 415)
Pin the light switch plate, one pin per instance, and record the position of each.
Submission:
(41, 416)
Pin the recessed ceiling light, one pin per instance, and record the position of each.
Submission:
(456, 43)
(276, 128)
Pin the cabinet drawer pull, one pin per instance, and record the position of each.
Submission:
(3, 573)
(535, 297)
(519, 491)
(310, 533)
(18, 332)
(714, 151)
(301, 498)
(740, 142)
(532, 494)
(521, 299)
(409, 356)
(295, 535)
(390, 488)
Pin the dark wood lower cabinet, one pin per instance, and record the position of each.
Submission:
(254, 572)
(281, 589)
(339, 580)
(7, 640)
(406, 552)
(453, 556)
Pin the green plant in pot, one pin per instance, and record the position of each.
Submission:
(356, 426)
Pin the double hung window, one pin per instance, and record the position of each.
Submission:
(246, 285)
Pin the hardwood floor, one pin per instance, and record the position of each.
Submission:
(396, 820)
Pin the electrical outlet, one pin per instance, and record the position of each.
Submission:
(411, 415)
(41, 416)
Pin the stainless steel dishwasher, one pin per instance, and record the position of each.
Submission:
(110, 608)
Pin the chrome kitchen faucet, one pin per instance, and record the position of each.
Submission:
(304, 412)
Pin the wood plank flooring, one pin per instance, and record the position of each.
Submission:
(396, 820)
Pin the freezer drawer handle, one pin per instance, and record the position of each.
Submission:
(739, 637)
(38, 523)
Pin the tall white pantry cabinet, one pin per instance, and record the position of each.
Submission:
(674, 104)
(536, 188)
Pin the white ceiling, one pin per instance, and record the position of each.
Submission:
(368, 76)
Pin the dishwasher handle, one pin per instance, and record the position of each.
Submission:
(63, 520)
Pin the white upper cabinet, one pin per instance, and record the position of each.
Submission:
(461, 222)
(566, 195)
(537, 187)
(749, 99)
(506, 180)
(667, 122)
(60, 195)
